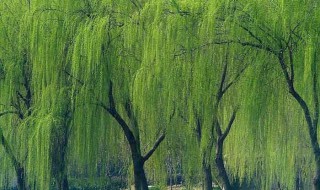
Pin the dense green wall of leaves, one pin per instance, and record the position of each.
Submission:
(165, 58)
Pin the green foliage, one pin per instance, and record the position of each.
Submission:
(165, 59)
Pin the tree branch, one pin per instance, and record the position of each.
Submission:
(235, 79)
(291, 63)
(112, 105)
(218, 42)
(223, 79)
(285, 71)
(114, 113)
(218, 128)
(251, 33)
(226, 132)
(155, 146)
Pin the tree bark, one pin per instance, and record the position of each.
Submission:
(222, 173)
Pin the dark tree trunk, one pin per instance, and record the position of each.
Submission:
(207, 176)
(140, 180)
(312, 123)
(21, 181)
(222, 173)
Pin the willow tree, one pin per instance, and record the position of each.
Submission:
(195, 74)
(290, 38)
(40, 95)
(108, 53)
(16, 90)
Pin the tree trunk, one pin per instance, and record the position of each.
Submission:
(20, 177)
(140, 180)
(222, 173)
(207, 176)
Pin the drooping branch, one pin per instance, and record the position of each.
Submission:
(155, 146)
(226, 132)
